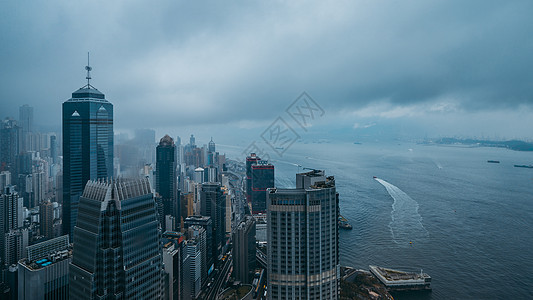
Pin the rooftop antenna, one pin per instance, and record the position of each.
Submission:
(88, 68)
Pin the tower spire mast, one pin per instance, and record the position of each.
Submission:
(88, 68)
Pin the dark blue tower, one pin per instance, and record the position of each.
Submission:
(87, 146)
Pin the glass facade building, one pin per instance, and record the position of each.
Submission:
(87, 147)
(262, 179)
(117, 253)
(166, 182)
(213, 205)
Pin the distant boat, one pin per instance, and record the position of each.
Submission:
(357, 143)
(524, 166)
(493, 161)
(374, 177)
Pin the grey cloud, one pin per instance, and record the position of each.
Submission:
(185, 63)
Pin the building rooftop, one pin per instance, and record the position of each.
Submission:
(166, 141)
(50, 259)
(88, 93)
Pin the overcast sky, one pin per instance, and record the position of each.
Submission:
(448, 67)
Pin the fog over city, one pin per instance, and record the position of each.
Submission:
(413, 69)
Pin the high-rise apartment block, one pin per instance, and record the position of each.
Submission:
(244, 250)
(303, 244)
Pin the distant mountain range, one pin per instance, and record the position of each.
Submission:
(513, 144)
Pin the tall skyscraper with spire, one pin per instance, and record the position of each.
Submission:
(87, 145)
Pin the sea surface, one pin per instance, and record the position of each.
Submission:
(440, 209)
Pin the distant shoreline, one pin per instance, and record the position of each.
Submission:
(515, 145)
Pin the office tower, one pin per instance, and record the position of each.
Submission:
(166, 180)
(244, 250)
(207, 225)
(53, 149)
(46, 219)
(262, 178)
(211, 147)
(213, 204)
(198, 234)
(117, 252)
(211, 153)
(10, 145)
(250, 160)
(303, 257)
(44, 273)
(192, 275)
(5, 180)
(26, 124)
(192, 141)
(173, 269)
(87, 146)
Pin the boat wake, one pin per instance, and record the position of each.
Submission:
(406, 225)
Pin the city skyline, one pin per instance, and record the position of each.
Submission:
(449, 68)
(419, 112)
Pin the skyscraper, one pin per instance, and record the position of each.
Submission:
(207, 225)
(53, 149)
(192, 274)
(173, 266)
(46, 219)
(262, 178)
(250, 160)
(244, 261)
(87, 146)
(10, 145)
(303, 244)
(10, 210)
(26, 123)
(213, 204)
(166, 180)
(117, 252)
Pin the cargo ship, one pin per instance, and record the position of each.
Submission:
(395, 280)
(493, 161)
(524, 166)
(343, 223)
